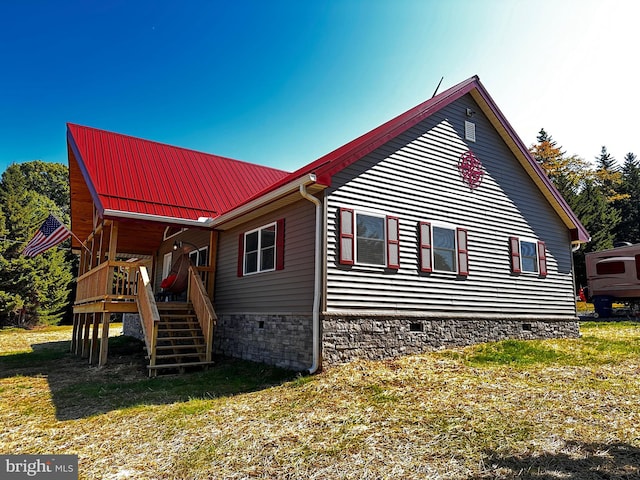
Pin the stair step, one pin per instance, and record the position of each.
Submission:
(178, 365)
(179, 355)
(167, 330)
(178, 347)
(195, 337)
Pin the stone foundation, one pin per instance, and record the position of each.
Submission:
(346, 338)
(281, 340)
(132, 326)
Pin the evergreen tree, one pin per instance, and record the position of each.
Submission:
(35, 290)
(629, 228)
(566, 172)
(600, 218)
(609, 176)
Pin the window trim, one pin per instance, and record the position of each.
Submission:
(426, 249)
(278, 255)
(348, 238)
(199, 252)
(516, 256)
(259, 249)
(167, 229)
(384, 240)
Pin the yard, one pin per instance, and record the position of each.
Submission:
(531, 410)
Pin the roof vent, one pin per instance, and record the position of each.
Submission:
(469, 131)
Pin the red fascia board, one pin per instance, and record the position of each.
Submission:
(330, 164)
(346, 155)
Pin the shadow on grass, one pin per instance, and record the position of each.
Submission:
(577, 461)
(79, 390)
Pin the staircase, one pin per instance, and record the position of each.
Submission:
(180, 342)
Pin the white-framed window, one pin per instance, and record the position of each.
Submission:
(172, 232)
(200, 257)
(261, 249)
(166, 264)
(368, 238)
(528, 255)
(443, 248)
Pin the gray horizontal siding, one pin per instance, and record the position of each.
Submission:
(285, 291)
(415, 177)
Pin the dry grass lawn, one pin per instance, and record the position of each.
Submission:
(533, 410)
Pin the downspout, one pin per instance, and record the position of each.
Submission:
(317, 280)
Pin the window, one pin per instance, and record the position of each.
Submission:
(528, 256)
(608, 267)
(172, 231)
(443, 248)
(199, 257)
(262, 249)
(369, 239)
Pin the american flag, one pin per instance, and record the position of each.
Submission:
(51, 233)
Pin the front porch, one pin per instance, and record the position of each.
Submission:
(175, 335)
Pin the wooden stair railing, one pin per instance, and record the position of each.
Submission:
(203, 308)
(151, 319)
(149, 316)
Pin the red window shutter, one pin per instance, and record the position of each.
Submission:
(425, 247)
(542, 258)
(463, 252)
(514, 247)
(346, 237)
(241, 255)
(393, 243)
(280, 244)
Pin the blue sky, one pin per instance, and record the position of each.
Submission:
(281, 83)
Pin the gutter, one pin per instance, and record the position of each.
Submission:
(262, 200)
(317, 279)
(201, 222)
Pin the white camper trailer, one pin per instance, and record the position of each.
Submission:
(614, 276)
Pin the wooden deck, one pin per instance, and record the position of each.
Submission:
(125, 287)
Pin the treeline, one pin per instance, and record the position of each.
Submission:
(33, 290)
(604, 195)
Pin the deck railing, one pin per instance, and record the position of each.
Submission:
(202, 307)
(149, 315)
(117, 282)
(112, 280)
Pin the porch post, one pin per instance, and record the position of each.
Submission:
(213, 253)
(93, 355)
(85, 340)
(78, 334)
(104, 341)
(74, 332)
(113, 240)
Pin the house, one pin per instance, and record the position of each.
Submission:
(435, 228)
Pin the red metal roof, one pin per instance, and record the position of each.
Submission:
(130, 174)
(332, 163)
